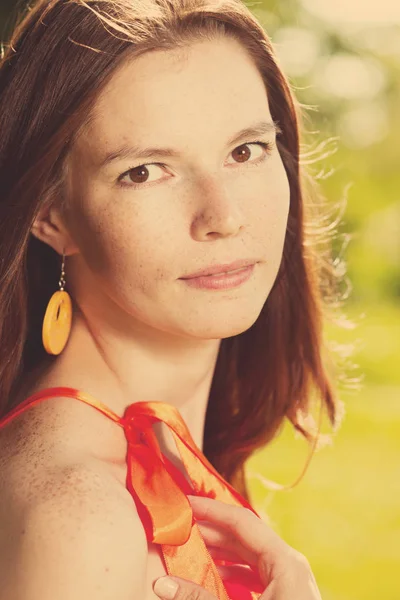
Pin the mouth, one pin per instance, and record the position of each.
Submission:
(223, 269)
(221, 280)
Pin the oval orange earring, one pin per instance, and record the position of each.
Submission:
(58, 318)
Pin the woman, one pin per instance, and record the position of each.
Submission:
(143, 142)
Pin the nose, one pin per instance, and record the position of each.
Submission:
(218, 213)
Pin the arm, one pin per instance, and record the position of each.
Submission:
(81, 540)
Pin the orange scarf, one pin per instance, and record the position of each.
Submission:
(159, 490)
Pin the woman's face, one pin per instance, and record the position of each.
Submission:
(139, 230)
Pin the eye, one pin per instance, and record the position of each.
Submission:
(141, 172)
(243, 153)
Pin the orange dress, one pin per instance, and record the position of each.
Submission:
(160, 492)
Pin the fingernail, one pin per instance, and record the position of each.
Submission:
(165, 587)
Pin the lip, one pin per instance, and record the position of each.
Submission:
(222, 268)
(226, 281)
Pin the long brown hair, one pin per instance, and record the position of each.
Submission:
(60, 55)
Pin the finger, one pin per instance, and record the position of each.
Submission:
(182, 590)
(241, 573)
(177, 588)
(226, 543)
(251, 531)
(223, 554)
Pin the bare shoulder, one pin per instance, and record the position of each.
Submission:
(58, 433)
(76, 538)
(66, 520)
(61, 443)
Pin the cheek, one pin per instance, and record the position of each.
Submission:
(122, 244)
(280, 186)
(274, 210)
(123, 247)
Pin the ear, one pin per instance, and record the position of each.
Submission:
(50, 227)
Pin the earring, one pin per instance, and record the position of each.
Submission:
(58, 318)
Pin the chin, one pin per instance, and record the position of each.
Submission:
(226, 326)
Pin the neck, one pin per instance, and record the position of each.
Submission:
(120, 371)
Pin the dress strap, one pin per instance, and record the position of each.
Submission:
(164, 508)
(54, 392)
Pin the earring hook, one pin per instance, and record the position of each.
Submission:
(61, 283)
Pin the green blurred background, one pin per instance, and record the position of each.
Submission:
(343, 61)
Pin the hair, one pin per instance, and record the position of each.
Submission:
(60, 55)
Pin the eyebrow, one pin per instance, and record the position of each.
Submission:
(129, 151)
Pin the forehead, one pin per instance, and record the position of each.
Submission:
(179, 93)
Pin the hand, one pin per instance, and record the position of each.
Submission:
(236, 534)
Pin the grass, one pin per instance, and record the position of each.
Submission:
(344, 515)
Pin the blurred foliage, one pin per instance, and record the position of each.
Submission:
(347, 79)
(344, 515)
